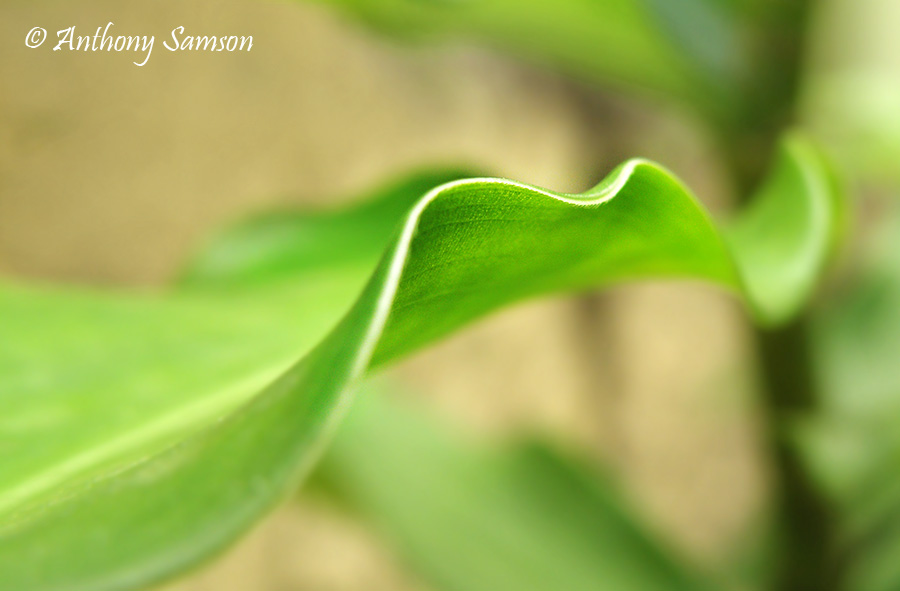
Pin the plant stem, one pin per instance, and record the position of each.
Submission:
(806, 519)
(770, 93)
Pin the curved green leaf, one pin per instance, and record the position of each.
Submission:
(292, 243)
(131, 507)
(788, 233)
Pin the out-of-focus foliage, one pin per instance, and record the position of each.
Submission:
(852, 101)
(477, 518)
(852, 95)
(76, 517)
(860, 112)
(777, 222)
(649, 44)
(858, 338)
(853, 446)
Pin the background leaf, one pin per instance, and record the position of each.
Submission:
(630, 42)
(471, 517)
(853, 447)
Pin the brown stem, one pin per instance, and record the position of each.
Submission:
(806, 519)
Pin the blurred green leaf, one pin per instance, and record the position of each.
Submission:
(852, 101)
(789, 231)
(475, 518)
(648, 44)
(853, 447)
(858, 113)
(858, 334)
(126, 491)
(718, 52)
(851, 97)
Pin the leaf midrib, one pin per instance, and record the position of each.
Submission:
(151, 436)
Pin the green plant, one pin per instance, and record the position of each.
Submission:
(143, 433)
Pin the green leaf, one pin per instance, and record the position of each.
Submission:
(646, 44)
(125, 492)
(856, 338)
(475, 518)
(283, 244)
(87, 376)
(786, 237)
(858, 333)
(853, 446)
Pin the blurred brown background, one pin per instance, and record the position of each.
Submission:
(112, 173)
